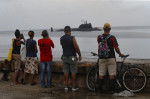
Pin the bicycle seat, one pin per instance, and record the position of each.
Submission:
(125, 56)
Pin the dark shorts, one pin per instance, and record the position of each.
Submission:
(70, 64)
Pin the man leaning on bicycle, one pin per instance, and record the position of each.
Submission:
(107, 59)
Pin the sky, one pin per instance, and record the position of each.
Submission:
(43, 14)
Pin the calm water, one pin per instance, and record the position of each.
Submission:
(132, 40)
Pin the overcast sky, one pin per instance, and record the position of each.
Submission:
(43, 14)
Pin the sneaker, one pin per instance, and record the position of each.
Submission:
(66, 88)
(75, 88)
(22, 81)
(49, 86)
(43, 86)
(112, 92)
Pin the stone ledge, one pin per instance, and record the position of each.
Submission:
(84, 66)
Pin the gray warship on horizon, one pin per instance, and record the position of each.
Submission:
(84, 27)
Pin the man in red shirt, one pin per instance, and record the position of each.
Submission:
(46, 57)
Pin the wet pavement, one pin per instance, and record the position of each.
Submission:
(8, 91)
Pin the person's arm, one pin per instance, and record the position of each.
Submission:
(115, 44)
(98, 39)
(22, 37)
(52, 44)
(18, 43)
(36, 50)
(118, 51)
(38, 42)
(77, 48)
(24, 40)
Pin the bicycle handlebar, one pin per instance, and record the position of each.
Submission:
(125, 56)
(94, 54)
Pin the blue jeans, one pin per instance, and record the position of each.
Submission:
(49, 73)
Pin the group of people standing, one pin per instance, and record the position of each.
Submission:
(69, 45)
(69, 57)
(31, 64)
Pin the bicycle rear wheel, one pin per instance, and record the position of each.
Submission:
(134, 79)
(91, 79)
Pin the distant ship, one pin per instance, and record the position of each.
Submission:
(84, 27)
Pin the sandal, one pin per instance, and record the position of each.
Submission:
(17, 82)
(22, 81)
(33, 83)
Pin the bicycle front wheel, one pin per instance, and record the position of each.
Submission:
(91, 79)
(134, 79)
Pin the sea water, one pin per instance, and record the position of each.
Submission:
(132, 40)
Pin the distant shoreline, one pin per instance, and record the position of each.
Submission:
(113, 27)
(128, 60)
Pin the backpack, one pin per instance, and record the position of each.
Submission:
(103, 48)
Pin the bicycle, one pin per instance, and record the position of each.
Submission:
(129, 77)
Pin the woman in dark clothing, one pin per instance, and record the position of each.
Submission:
(16, 53)
(31, 65)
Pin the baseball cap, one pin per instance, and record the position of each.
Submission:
(107, 26)
(67, 28)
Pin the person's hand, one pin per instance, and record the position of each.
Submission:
(80, 58)
(121, 55)
(21, 36)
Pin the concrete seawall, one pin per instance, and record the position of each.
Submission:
(84, 66)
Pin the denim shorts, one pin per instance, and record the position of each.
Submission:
(70, 64)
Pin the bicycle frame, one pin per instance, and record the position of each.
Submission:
(120, 72)
(123, 71)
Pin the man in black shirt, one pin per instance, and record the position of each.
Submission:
(70, 48)
(109, 62)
